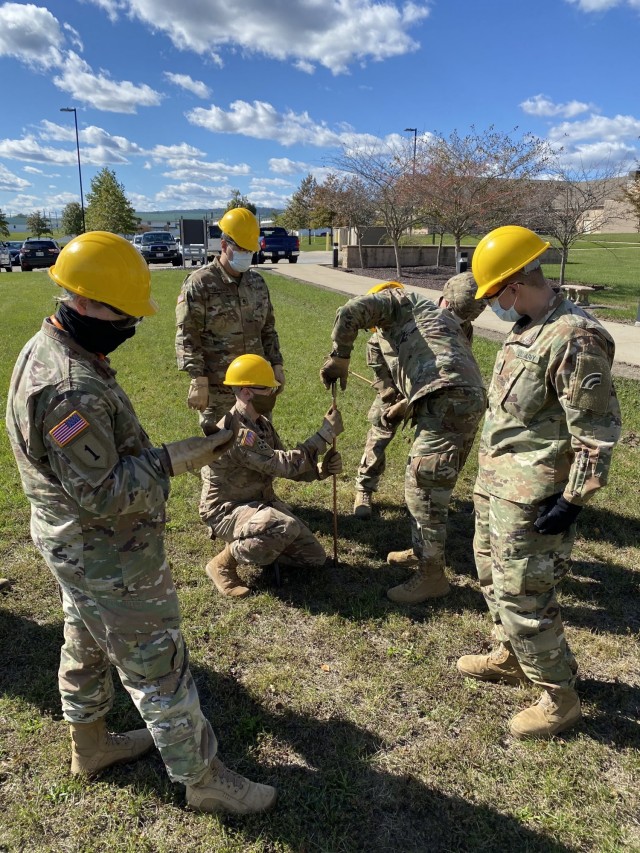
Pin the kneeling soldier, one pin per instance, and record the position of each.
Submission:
(238, 500)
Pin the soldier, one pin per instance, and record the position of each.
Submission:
(389, 407)
(545, 449)
(224, 310)
(429, 356)
(238, 500)
(98, 491)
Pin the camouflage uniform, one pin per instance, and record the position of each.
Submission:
(239, 503)
(429, 357)
(97, 490)
(373, 463)
(551, 427)
(220, 317)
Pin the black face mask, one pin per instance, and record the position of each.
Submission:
(263, 403)
(100, 336)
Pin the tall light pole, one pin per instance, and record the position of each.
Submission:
(413, 130)
(75, 118)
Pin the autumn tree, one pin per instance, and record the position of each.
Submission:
(108, 209)
(239, 200)
(574, 204)
(630, 193)
(346, 201)
(71, 222)
(4, 225)
(298, 213)
(386, 172)
(475, 182)
(38, 224)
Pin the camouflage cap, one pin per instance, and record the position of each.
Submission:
(460, 292)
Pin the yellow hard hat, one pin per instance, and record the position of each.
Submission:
(107, 268)
(503, 252)
(242, 226)
(251, 369)
(384, 285)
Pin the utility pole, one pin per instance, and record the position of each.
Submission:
(75, 118)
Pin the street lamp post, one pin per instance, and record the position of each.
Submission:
(413, 130)
(75, 118)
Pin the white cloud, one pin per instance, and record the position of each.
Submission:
(31, 34)
(166, 152)
(264, 198)
(259, 183)
(29, 148)
(10, 182)
(307, 32)
(79, 80)
(601, 128)
(33, 171)
(197, 87)
(261, 120)
(603, 5)
(191, 168)
(111, 7)
(285, 166)
(541, 105)
(74, 36)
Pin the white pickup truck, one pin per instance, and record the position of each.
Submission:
(194, 253)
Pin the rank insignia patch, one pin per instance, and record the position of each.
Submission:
(68, 429)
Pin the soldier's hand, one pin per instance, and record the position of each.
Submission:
(331, 464)
(556, 515)
(333, 369)
(192, 454)
(394, 414)
(278, 372)
(332, 425)
(198, 396)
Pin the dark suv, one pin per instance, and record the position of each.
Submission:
(38, 252)
(158, 247)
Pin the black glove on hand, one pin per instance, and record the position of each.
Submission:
(556, 515)
(333, 369)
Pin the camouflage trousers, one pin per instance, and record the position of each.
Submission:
(446, 423)
(260, 533)
(518, 570)
(137, 629)
(221, 400)
(373, 462)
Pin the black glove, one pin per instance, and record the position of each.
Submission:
(556, 515)
(335, 368)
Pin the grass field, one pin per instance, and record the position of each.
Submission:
(349, 704)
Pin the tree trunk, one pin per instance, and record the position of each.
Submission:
(563, 263)
(440, 241)
(360, 250)
(396, 248)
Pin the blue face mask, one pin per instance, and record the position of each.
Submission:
(509, 315)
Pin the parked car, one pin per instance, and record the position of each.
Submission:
(214, 246)
(5, 257)
(37, 252)
(14, 248)
(193, 252)
(158, 247)
(276, 243)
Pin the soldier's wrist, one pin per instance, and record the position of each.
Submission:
(340, 350)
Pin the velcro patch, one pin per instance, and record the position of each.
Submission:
(591, 387)
(68, 429)
(247, 437)
(180, 298)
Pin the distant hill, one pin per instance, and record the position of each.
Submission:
(215, 213)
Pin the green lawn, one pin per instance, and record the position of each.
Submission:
(349, 704)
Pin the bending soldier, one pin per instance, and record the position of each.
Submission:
(98, 491)
(239, 503)
(223, 311)
(545, 450)
(429, 356)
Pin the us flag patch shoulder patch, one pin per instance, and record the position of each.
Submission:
(248, 438)
(68, 429)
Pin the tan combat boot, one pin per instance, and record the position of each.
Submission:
(557, 709)
(94, 748)
(429, 581)
(362, 505)
(499, 665)
(222, 571)
(223, 790)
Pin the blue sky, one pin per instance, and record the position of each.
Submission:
(189, 99)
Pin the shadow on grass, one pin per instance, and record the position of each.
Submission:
(334, 795)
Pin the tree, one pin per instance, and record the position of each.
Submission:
(71, 222)
(345, 200)
(630, 193)
(38, 224)
(386, 172)
(239, 200)
(478, 181)
(4, 225)
(107, 206)
(575, 203)
(298, 214)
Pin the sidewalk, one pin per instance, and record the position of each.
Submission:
(627, 337)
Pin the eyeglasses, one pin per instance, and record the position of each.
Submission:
(127, 322)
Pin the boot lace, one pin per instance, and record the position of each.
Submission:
(413, 582)
(227, 777)
(364, 499)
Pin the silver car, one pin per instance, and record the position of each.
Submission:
(5, 257)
